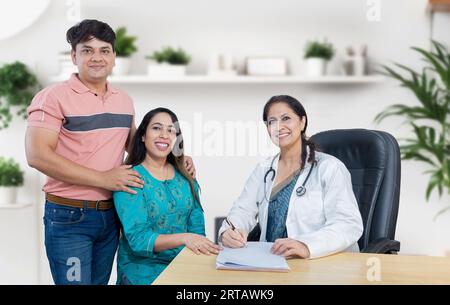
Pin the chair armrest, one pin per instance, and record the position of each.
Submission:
(382, 246)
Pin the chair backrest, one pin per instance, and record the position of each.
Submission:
(217, 224)
(373, 159)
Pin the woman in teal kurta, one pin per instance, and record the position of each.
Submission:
(166, 214)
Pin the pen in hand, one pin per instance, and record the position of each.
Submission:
(234, 229)
(230, 224)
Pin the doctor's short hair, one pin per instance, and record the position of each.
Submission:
(89, 29)
(298, 108)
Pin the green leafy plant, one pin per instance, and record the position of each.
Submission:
(124, 45)
(317, 49)
(171, 56)
(17, 88)
(10, 173)
(429, 120)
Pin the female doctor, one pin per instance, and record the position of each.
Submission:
(302, 198)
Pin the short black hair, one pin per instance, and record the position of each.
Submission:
(89, 29)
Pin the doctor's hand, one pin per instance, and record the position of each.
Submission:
(200, 244)
(290, 248)
(234, 238)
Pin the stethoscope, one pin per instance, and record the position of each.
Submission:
(300, 191)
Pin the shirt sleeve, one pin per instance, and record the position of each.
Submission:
(132, 213)
(45, 111)
(343, 226)
(245, 209)
(196, 221)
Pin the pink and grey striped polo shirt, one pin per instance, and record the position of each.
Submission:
(92, 130)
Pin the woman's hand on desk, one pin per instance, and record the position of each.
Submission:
(290, 248)
(200, 244)
(234, 238)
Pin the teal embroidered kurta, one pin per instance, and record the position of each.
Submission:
(161, 207)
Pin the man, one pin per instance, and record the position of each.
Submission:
(77, 135)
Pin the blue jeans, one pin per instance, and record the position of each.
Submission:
(80, 244)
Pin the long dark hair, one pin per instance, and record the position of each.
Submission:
(298, 108)
(138, 150)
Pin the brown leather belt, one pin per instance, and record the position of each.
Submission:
(75, 203)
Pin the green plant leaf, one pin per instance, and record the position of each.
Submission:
(438, 64)
(171, 56)
(434, 182)
(10, 173)
(124, 44)
(429, 119)
(442, 211)
(317, 49)
(17, 88)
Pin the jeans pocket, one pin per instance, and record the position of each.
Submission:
(62, 215)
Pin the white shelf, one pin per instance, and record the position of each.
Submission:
(15, 206)
(203, 79)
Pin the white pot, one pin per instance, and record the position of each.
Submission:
(122, 66)
(316, 67)
(8, 195)
(166, 70)
(358, 64)
(355, 65)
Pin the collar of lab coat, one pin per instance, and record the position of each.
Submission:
(277, 159)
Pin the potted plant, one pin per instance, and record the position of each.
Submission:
(124, 47)
(11, 177)
(17, 87)
(168, 62)
(317, 54)
(428, 119)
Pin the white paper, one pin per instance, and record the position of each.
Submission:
(254, 256)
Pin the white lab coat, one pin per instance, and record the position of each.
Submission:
(326, 218)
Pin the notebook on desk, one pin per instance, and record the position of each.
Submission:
(255, 256)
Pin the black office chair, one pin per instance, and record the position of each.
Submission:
(373, 159)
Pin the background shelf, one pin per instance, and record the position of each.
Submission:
(202, 79)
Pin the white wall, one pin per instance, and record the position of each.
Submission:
(245, 28)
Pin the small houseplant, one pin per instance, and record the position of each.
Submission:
(428, 119)
(11, 177)
(168, 62)
(124, 47)
(17, 87)
(317, 54)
